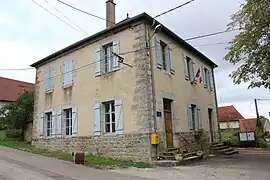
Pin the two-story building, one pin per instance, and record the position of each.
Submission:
(109, 92)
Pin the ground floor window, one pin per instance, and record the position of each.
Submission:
(68, 121)
(109, 112)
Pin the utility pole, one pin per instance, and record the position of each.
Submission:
(257, 114)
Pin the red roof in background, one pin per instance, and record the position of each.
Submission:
(228, 113)
(11, 89)
(247, 125)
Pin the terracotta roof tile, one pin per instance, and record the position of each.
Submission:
(11, 89)
(247, 125)
(228, 113)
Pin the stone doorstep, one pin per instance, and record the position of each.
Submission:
(220, 147)
(225, 150)
(231, 152)
(216, 145)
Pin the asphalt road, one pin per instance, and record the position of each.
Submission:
(18, 165)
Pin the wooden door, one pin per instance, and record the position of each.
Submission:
(168, 122)
(210, 111)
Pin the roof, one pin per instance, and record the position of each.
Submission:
(141, 17)
(228, 113)
(247, 125)
(11, 89)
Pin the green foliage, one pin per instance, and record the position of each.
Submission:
(16, 115)
(250, 48)
(232, 140)
(90, 160)
(13, 133)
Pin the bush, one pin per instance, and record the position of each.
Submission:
(13, 134)
(232, 141)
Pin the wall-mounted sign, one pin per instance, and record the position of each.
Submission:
(159, 114)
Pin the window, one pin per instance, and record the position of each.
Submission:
(48, 120)
(190, 70)
(49, 80)
(206, 80)
(109, 111)
(68, 73)
(68, 121)
(165, 57)
(193, 116)
(108, 58)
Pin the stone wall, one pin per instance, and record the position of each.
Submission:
(130, 146)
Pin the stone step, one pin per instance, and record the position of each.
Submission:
(172, 149)
(231, 152)
(217, 145)
(166, 163)
(225, 150)
(169, 153)
(221, 147)
(190, 154)
(191, 159)
(167, 157)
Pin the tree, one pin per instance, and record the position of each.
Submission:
(17, 114)
(251, 47)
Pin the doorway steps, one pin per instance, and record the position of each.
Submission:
(222, 148)
(173, 157)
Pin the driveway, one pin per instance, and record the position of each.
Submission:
(18, 165)
(243, 166)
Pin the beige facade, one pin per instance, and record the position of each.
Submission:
(229, 125)
(131, 89)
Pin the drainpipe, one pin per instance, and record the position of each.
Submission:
(214, 83)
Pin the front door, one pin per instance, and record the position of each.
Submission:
(210, 117)
(168, 121)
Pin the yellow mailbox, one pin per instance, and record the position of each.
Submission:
(154, 139)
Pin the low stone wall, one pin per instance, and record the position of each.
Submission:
(130, 146)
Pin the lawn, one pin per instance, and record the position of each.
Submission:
(95, 161)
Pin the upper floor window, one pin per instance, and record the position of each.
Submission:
(48, 80)
(105, 59)
(208, 79)
(68, 73)
(164, 56)
(188, 68)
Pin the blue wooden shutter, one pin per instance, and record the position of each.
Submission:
(210, 81)
(53, 123)
(74, 121)
(97, 113)
(185, 65)
(189, 115)
(46, 81)
(50, 78)
(41, 125)
(158, 54)
(66, 71)
(199, 118)
(59, 123)
(191, 67)
(116, 50)
(172, 71)
(97, 62)
(204, 77)
(119, 117)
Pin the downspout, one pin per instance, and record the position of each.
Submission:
(149, 54)
(214, 83)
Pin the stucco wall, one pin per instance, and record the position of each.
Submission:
(181, 91)
(229, 125)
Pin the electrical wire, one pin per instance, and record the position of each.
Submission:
(66, 17)
(19, 69)
(170, 10)
(55, 16)
(85, 12)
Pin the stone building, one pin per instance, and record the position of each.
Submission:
(109, 92)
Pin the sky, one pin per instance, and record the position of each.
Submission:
(29, 33)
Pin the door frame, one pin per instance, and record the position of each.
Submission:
(168, 109)
(210, 120)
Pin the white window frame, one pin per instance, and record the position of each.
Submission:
(111, 114)
(107, 55)
(69, 119)
(48, 118)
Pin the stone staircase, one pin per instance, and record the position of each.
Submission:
(221, 148)
(174, 157)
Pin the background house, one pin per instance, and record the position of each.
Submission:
(10, 90)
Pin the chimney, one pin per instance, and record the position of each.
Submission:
(110, 13)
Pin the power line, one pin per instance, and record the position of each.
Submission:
(161, 14)
(66, 17)
(212, 34)
(19, 69)
(85, 12)
(55, 15)
(211, 44)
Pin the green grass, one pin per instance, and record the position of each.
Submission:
(95, 161)
(2, 135)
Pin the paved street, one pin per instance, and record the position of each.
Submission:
(18, 165)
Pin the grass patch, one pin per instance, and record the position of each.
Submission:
(95, 161)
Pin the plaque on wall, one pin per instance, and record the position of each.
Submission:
(159, 114)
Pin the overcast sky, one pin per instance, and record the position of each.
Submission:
(28, 33)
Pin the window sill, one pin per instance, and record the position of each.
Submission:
(49, 91)
(67, 86)
(109, 134)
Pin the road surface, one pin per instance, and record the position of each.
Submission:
(19, 165)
